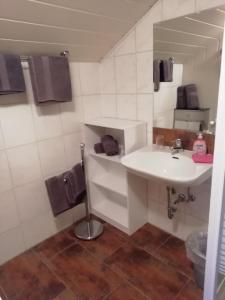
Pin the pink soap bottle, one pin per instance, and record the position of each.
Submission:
(199, 146)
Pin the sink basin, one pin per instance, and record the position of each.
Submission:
(176, 169)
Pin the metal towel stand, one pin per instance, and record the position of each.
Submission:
(87, 229)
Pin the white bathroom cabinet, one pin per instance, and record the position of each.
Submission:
(116, 196)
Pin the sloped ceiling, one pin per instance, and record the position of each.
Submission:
(185, 37)
(87, 28)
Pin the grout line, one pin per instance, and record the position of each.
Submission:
(181, 290)
(50, 267)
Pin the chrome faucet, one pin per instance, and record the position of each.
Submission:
(177, 146)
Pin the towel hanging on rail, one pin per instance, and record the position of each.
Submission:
(50, 78)
(11, 74)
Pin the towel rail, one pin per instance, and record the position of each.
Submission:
(87, 229)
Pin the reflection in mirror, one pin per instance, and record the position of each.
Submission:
(193, 44)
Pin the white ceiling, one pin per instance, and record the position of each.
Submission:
(87, 28)
(186, 37)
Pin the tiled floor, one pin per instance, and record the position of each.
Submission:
(148, 265)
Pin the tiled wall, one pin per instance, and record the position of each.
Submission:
(165, 99)
(127, 92)
(37, 142)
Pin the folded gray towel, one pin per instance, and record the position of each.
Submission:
(166, 70)
(181, 98)
(192, 96)
(50, 78)
(78, 183)
(98, 148)
(156, 74)
(11, 74)
(57, 194)
(111, 147)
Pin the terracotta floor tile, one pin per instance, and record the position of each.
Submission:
(126, 292)
(174, 253)
(149, 237)
(26, 277)
(50, 247)
(190, 292)
(84, 274)
(155, 279)
(106, 244)
(2, 294)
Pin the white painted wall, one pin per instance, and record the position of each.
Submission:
(37, 142)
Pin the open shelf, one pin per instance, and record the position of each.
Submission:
(112, 213)
(112, 183)
(113, 123)
(114, 158)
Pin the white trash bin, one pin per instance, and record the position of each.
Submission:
(196, 246)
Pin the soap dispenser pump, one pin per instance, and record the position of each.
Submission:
(199, 146)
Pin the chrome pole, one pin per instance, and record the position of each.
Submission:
(87, 229)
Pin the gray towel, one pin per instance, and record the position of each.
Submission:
(50, 78)
(110, 145)
(156, 74)
(75, 185)
(181, 98)
(192, 96)
(57, 194)
(166, 70)
(11, 74)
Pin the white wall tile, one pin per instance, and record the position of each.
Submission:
(32, 200)
(72, 148)
(8, 213)
(11, 243)
(92, 107)
(5, 179)
(127, 107)
(206, 4)
(72, 115)
(109, 106)
(24, 164)
(126, 45)
(17, 125)
(126, 74)
(90, 79)
(145, 109)
(37, 230)
(75, 78)
(144, 28)
(107, 72)
(47, 121)
(144, 72)
(62, 221)
(52, 156)
(176, 8)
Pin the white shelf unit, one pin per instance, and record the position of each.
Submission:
(110, 196)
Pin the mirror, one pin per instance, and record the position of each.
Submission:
(193, 44)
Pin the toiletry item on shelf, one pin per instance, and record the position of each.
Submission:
(199, 145)
(202, 158)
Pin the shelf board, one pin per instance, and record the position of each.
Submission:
(113, 123)
(114, 158)
(105, 209)
(112, 183)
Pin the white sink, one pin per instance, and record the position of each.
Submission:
(176, 169)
